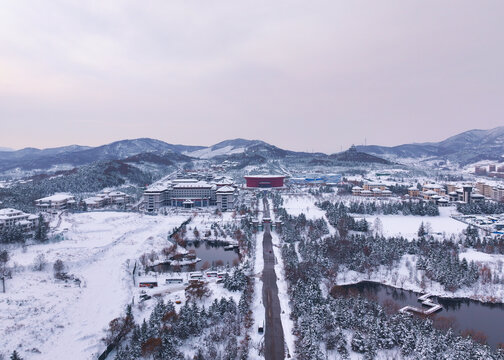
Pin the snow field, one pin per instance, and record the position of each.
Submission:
(407, 226)
(67, 319)
(297, 204)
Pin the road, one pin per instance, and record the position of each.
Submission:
(274, 337)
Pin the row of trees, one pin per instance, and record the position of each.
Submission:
(483, 207)
(422, 208)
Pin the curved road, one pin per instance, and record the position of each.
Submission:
(274, 337)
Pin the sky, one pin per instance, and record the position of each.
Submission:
(302, 75)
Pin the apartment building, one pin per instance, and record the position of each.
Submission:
(11, 217)
(55, 202)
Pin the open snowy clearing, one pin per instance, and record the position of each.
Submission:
(407, 226)
(40, 314)
(297, 204)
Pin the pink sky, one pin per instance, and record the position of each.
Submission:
(311, 76)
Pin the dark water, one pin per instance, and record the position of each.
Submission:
(207, 252)
(465, 314)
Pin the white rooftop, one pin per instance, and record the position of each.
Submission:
(199, 184)
(56, 197)
(9, 211)
(226, 189)
(156, 188)
(264, 176)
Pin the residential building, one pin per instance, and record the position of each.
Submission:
(498, 193)
(374, 185)
(225, 197)
(439, 189)
(11, 217)
(413, 191)
(484, 189)
(55, 202)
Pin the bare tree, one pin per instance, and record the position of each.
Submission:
(58, 268)
(39, 263)
(197, 290)
(4, 259)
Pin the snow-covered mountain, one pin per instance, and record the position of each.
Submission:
(75, 155)
(227, 147)
(464, 148)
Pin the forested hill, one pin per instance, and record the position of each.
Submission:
(86, 179)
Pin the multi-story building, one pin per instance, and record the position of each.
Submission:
(225, 197)
(498, 193)
(439, 189)
(107, 198)
(12, 217)
(413, 191)
(189, 193)
(155, 197)
(55, 202)
(484, 189)
(374, 185)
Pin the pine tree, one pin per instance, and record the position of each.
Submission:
(41, 229)
(15, 356)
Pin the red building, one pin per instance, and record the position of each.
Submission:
(264, 181)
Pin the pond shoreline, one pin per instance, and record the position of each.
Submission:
(416, 290)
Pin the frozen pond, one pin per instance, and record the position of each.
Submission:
(210, 254)
(460, 314)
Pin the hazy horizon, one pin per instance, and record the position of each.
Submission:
(178, 143)
(315, 77)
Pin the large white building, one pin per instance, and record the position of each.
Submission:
(55, 202)
(225, 197)
(11, 217)
(188, 193)
(107, 198)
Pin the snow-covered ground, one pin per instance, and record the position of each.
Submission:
(305, 203)
(40, 314)
(407, 226)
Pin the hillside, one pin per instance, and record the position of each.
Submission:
(71, 156)
(355, 156)
(464, 148)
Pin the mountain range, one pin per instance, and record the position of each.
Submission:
(465, 148)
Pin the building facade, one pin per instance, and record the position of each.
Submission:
(264, 181)
(12, 217)
(55, 202)
(189, 193)
(225, 197)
